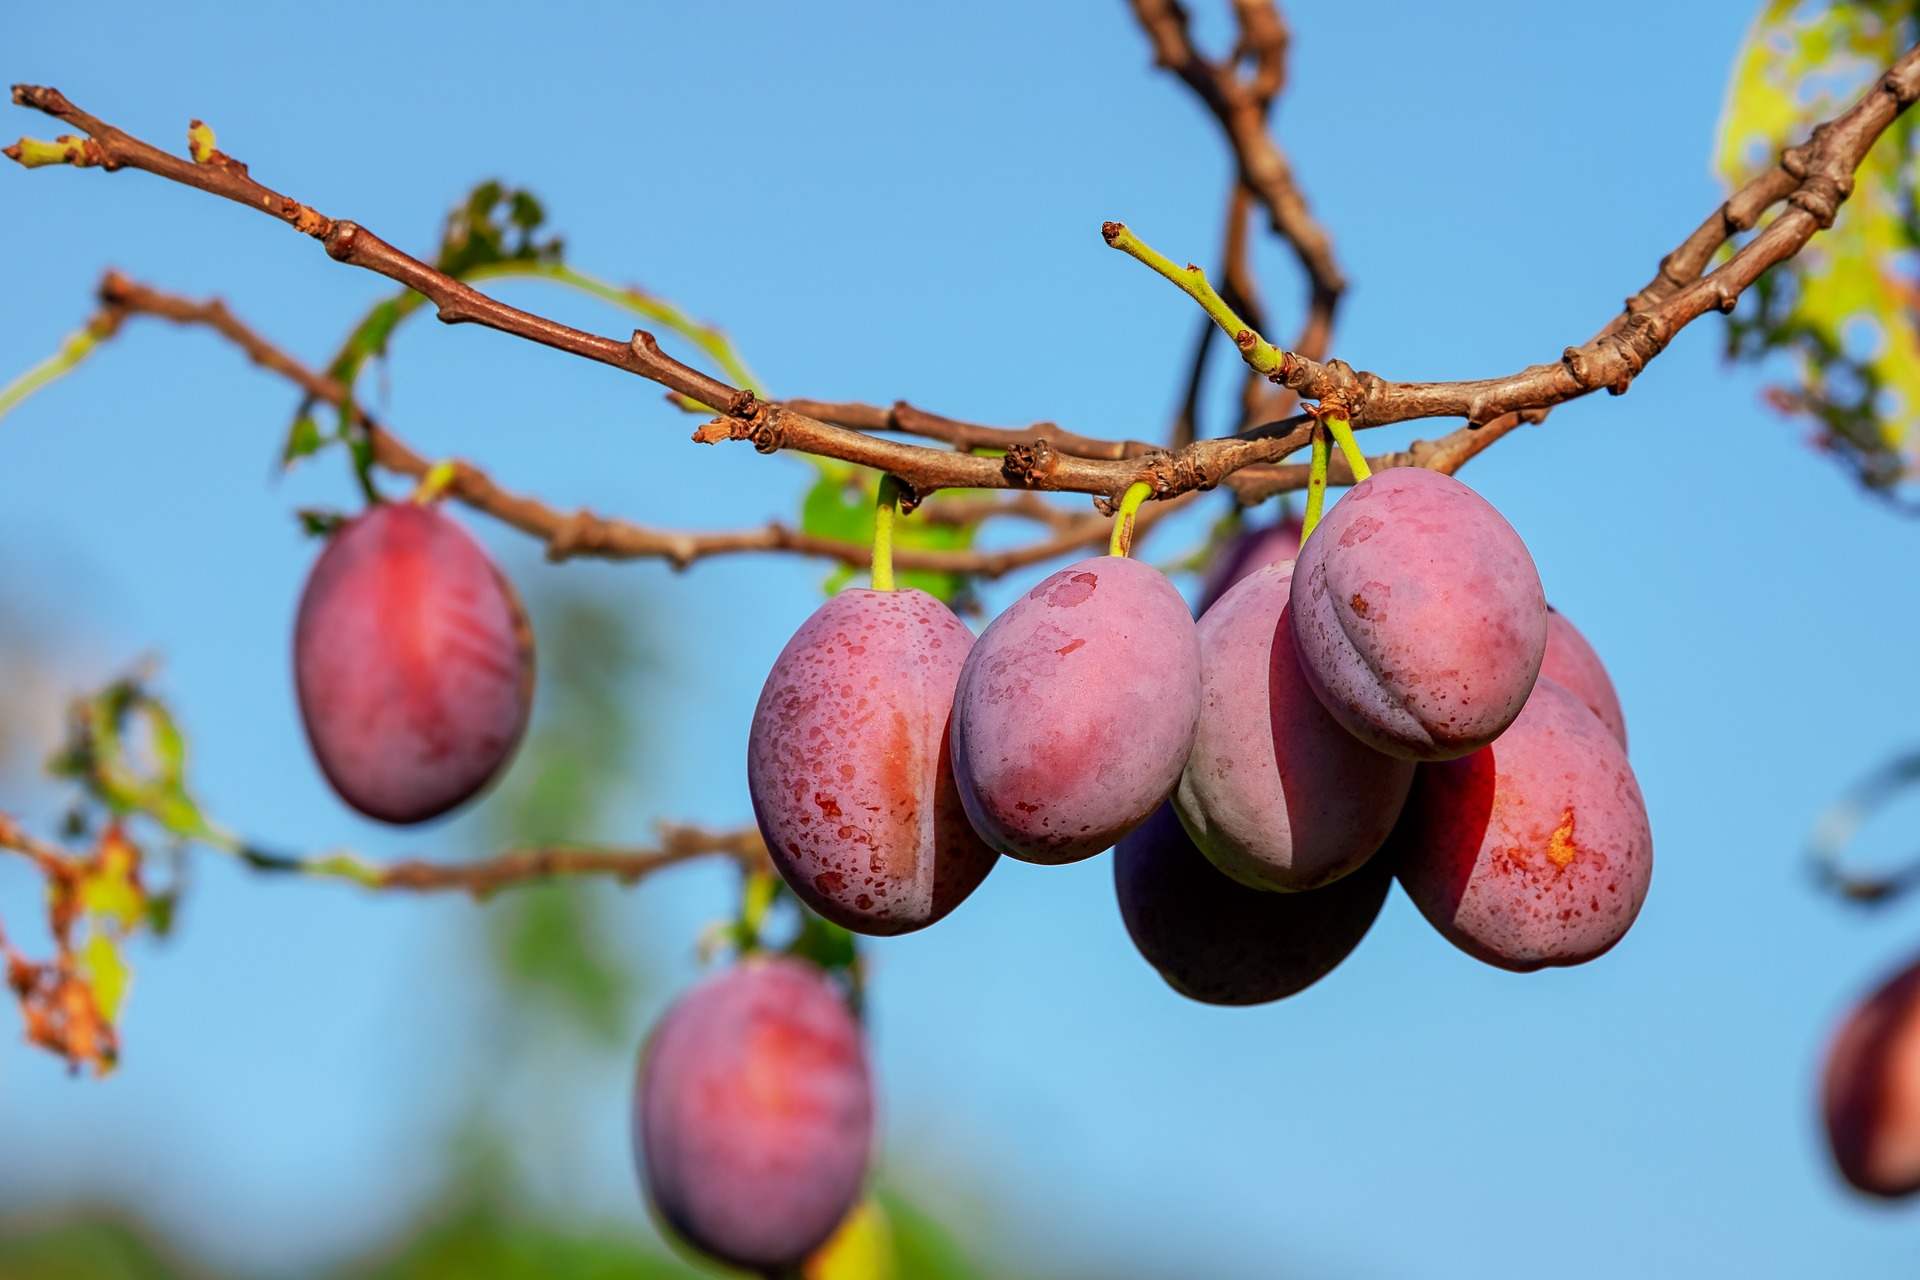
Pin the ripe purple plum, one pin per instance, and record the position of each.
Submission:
(1419, 615)
(1275, 792)
(413, 660)
(753, 1117)
(1534, 851)
(1870, 1091)
(1076, 710)
(1217, 941)
(849, 767)
(1251, 549)
(1572, 661)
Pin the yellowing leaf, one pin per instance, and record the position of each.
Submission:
(860, 1249)
(111, 889)
(107, 973)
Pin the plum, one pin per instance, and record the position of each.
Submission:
(1419, 615)
(1275, 792)
(849, 766)
(1534, 851)
(1076, 710)
(1572, 661)
(753, 1117)
(1219, 942)
(1870, 1091)
(413, 660)
(1250, 549)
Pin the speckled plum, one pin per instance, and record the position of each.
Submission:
(413, 661)
(1571, 661)
(1870, 1090)
(1418, 615)
(848, 764)
(1534, 851)
(1219, 942)
(753, 1117)
(1076, 710)
(1275, 792)
(1252, 548)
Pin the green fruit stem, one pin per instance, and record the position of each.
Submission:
(1123, 516)
(1316, 482)
(1356, 460)
(883, 509)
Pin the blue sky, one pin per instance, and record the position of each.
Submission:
(883, 201)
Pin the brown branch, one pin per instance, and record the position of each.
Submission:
(581, 533)
(964, 436)
(1038, 465)
(1814, 179)
(1242, 105)
(1821, 172)
(517, 867)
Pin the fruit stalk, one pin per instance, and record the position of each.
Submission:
(1316, 482)
(1123, 516)
(1356, 460)
(883, 509)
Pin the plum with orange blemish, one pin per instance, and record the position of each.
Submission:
(413, 662)
(753, 1116)
(1275, 791)
(1533, 851)
(1870, 1090)
(1076, 710)
(1418, 615)
(848, 764)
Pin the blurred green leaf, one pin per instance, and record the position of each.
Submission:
(303, 438)
(316, 523)
(840, 505)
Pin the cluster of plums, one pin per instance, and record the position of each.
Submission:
(1401, 685)
(1392, 698)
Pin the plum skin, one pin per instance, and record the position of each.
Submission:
(1572, 661)
(1250, 550)
(1419, 615)
(1870, 1090)
(848, 763)
(753, 1118)
(413, 663)
(1534, 851)
(1075, 711)
(1275, 791)
(1215, 940)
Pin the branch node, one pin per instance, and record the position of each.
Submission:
(1027, 465)
(1821, 195)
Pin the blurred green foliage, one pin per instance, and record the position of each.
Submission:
(1843, 311)
(473, 1237)
(551, 943)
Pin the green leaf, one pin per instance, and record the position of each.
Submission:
(316, 523)
(303, 439)
(840, 505)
